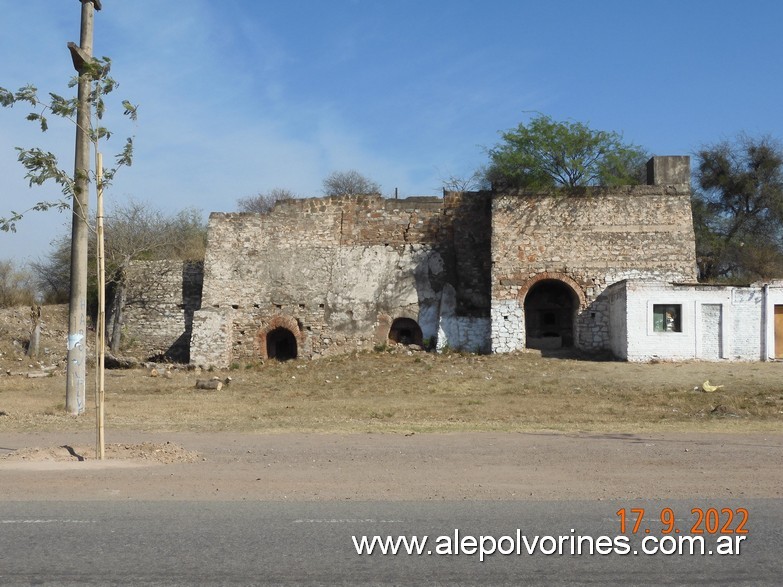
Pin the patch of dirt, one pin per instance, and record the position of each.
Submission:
(146, 452)
(15, 325)
(395, 467)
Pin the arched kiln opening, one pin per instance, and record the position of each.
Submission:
(281, 344)
(405, 331)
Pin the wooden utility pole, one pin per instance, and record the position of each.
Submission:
(100, 339)
(75, 390)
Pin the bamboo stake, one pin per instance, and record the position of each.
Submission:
(100, 336)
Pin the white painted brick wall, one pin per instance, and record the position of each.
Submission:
(745, 316)
(464, 333)
(744, 334)
(618, 322)
(508, 326)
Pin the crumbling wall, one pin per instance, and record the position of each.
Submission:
(468, 218)
(342, 269)
(334, 273)
(161, 298)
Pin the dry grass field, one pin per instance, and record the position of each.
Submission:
(421, 392)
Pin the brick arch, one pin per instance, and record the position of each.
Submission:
(288, 322)
(556, 276)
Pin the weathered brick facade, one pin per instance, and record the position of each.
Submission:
(578, 244)
(336, 272)
(481, 271)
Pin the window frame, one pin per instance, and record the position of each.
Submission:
(658, 312)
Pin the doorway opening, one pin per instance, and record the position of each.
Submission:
(281, 344)
(550, 311)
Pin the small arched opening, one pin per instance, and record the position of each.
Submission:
(550, 312)
(405, 331)
(281, 344)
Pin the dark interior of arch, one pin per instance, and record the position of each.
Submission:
(550, 309)
(405, 331)
(281, 344)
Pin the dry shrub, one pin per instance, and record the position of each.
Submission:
(16, 286)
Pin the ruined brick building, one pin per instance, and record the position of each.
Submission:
(478, 271)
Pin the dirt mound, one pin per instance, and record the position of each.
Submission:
(146, 452)
(15, 325)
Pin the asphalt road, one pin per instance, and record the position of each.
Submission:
(310, 543)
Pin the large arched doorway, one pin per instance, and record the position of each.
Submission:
(550, 313)
(405, 331)
(281, 344)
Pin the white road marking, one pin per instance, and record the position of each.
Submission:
(48, 521)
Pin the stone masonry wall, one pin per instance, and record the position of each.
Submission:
(589, 240)
(336, 272)
(161, 298)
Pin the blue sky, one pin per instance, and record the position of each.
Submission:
(241, 96)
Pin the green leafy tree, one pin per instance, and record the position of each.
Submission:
(738, 209)
(544, 153)
(42, 166)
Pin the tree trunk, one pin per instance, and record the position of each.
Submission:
(116, 315)
(35, 331)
